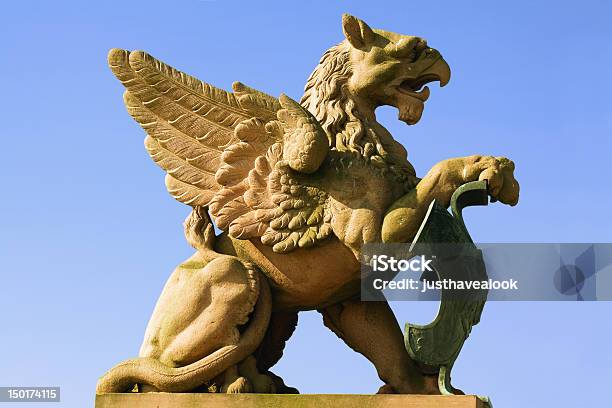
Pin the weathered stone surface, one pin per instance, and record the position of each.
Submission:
(297, 189)
(168, 400)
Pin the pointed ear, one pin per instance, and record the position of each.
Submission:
(357, 32)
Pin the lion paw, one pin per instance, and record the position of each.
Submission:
(499, 173)
(239, 386)
(262, 383)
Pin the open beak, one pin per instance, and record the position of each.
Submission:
(438, 71)
(412, 89)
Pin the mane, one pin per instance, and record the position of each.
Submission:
(327, 97)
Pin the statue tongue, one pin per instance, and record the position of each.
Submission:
(410, 112)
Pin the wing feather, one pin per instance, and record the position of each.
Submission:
(203, 111)
(261, 104)
(177, 167)
(186, 193)
(189, 123)
(240, 154)
(176, 142)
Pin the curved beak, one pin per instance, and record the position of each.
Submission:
(438, 70)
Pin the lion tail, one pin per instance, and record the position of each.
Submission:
(147, 370)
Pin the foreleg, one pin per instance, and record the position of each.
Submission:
(404, 217)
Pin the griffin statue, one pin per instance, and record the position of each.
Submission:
(296, 190)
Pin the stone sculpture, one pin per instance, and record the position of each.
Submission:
(296, 189)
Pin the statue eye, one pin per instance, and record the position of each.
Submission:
(408, 48)
(404, 48)
(420, 46)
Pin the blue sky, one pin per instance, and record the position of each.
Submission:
(88, 234)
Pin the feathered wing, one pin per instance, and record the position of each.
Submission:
(272, 196)
(245, 155)
(188, 122)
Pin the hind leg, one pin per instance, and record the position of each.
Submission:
(371, 329)
(199, 329)
(280, 329)
(199, 310)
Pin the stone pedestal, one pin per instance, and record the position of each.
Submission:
(167, 400)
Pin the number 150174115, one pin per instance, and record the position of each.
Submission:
(32, 394)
